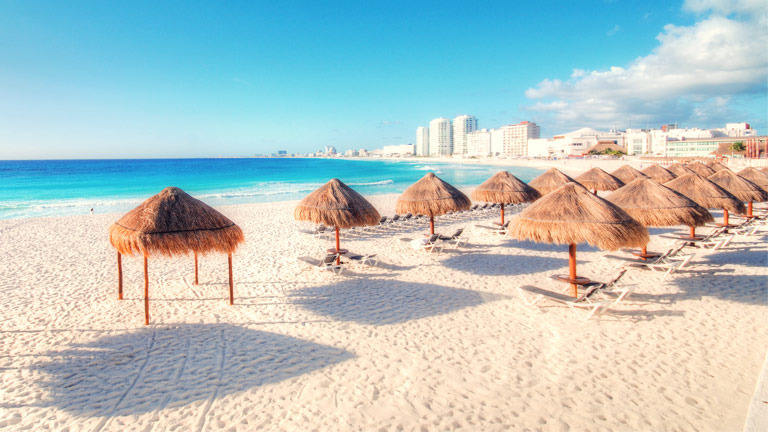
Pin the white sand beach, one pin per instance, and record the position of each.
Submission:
(423, 342)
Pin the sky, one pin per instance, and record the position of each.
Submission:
(96, 79)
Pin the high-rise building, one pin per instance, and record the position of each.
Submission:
(479, 142)
(440, 140)
(422, 141)
(462, 125)
(515, 138)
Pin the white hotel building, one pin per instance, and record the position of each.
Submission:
(462, 125)
(422, 141)
(440, 137)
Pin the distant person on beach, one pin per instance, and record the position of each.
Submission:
(91, 211)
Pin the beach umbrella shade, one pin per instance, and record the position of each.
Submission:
(627, 174)
(655, 205)
(597, 179)
(717, 166)
(706, 194)
(550, 180)
(658, 173)
(504, 188)
(571, 215)
(431, 196)
(679, 170)
(755, 176)
(173, 223)
(336, 204)
(700, 169)
(739, 187)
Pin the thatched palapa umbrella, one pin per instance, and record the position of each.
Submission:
(550, 180)
(571, 215)
(431, 196)
(763, 169)
(701, 169)
(755, 176)
(706, 194)
(597, 179)
(173, 223)
(504, 188)
(679, 170)
(658, 173)
(627, 174)
(717, 166)
(740, 187)
(336, 204)
(655, 205)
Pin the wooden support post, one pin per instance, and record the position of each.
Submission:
(749, 208)
(502, 214)
(594, 191)
(338, 248)
(693, 232)
(644, 253)
(431, 224)
(146, 293)
(572, 268)
(725, 217)
(195, 268)
(231, 285)
(119, 276)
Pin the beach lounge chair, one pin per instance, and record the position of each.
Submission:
(456, 239)
(532, 295)
(361, 260)
(327, 263)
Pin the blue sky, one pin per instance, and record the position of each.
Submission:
(195, 79)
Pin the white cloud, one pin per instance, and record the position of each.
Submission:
(696, 73)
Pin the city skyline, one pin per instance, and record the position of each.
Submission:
(92, 80)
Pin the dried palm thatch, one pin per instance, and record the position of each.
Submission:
(655, 205)
(598, 179)
(431, 196)
(336, 204)
(679, 170)
(171, 223)
(504, 188)
(572, 214)
(550, 180)
(705, 193)
(701, 169)
(739, 187)
(763, 169)
(717, 166)
(658, 173)
(755, 176)
(627, 174)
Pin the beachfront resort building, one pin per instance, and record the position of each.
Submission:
(512, 140)
(479, 143)
(422, 141)
(462, 125)
(575, 143)
(440, 137)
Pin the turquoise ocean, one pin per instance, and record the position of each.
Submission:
(70, 187)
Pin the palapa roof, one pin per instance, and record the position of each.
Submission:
(431, 196)
(598, 179)
(336, 204)
(550, 180)
(658, 173)
(679, 170)
(717, 166)
(700, 169)
(572, 214)
(763, 169)
(706, 193)
(504, 188)
(755, 176)
(740, 187)
(172, 223)
(653, 204)
(627, 174)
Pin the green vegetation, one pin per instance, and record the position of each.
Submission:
(737, 146)
(609, 152)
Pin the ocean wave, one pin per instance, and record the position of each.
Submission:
(376, 183)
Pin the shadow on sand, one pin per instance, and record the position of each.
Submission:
(381, 302)
(145, 370)
(501, 265)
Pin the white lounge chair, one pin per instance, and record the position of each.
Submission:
(327, 263)
(361, 260)
(579, 305)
